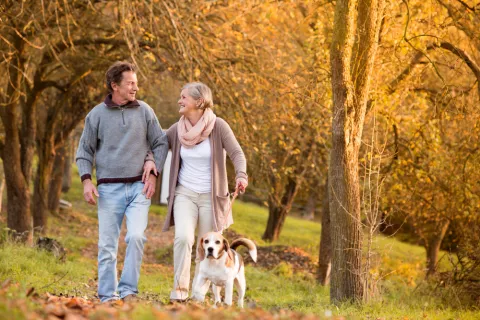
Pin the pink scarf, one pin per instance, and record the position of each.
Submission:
(191, 135)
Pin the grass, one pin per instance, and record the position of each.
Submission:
(251, 219)
(41, 270)
(398, 269)
(272, 290)
(267, 289)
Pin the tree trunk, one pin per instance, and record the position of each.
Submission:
(58, 178)
(46, 158)
(325, 254)
(311, 206)
(346, 229)
(350, 86)
(2, 187)
(66, 164)
(19, 219)
(277, 213)
(432, 247)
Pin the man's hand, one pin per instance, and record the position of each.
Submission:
(241, 185)
(150, 184)
(88, 191)
(147, 168)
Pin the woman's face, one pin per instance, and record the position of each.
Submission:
(187, 103)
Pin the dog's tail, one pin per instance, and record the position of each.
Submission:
(252, 248)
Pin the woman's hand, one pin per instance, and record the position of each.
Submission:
(241, 185)
(148, 166)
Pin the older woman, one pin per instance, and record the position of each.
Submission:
(198, 190)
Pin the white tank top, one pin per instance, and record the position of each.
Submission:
(196, 169)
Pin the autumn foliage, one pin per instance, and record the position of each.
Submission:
(408, 83)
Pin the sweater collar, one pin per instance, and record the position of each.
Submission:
(109, 102)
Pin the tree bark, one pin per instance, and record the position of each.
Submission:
(346, 281)
(19, 219)
(66, 164)
(46, 158)
(311, 205)
(57, 184)
(325, 254)
(2, 187)
(432, 247)
(277, 212)
(351, 65)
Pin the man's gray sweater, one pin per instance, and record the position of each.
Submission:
(117, 139)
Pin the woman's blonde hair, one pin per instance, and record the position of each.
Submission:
(198, 90)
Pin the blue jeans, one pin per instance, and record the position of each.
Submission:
(115, 201)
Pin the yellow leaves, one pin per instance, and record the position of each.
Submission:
(150, 56)
(238, 36)
(148, 36)
(197, 72)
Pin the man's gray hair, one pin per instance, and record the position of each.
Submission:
(199, 90)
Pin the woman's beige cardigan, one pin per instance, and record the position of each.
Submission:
(221, 139)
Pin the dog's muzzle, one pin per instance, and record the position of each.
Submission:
(210, 252)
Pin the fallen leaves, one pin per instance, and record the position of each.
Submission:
(66, 307)
(272, 256)
(53, 307)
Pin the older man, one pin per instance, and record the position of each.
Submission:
(118, 134)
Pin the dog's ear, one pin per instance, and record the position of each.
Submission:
(229, 262)
(200, 250)
(226, 245)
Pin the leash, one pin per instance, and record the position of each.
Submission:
(235, 195)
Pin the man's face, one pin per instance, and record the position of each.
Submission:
(127, 89)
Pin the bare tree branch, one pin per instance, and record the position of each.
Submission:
(469, 61)
(392, 87)
(472, 9)
(417, 59)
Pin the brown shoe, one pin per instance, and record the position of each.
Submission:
(130, 298)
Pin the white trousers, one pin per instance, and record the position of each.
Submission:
(190, 210)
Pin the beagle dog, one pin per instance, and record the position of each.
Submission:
(221, 265)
